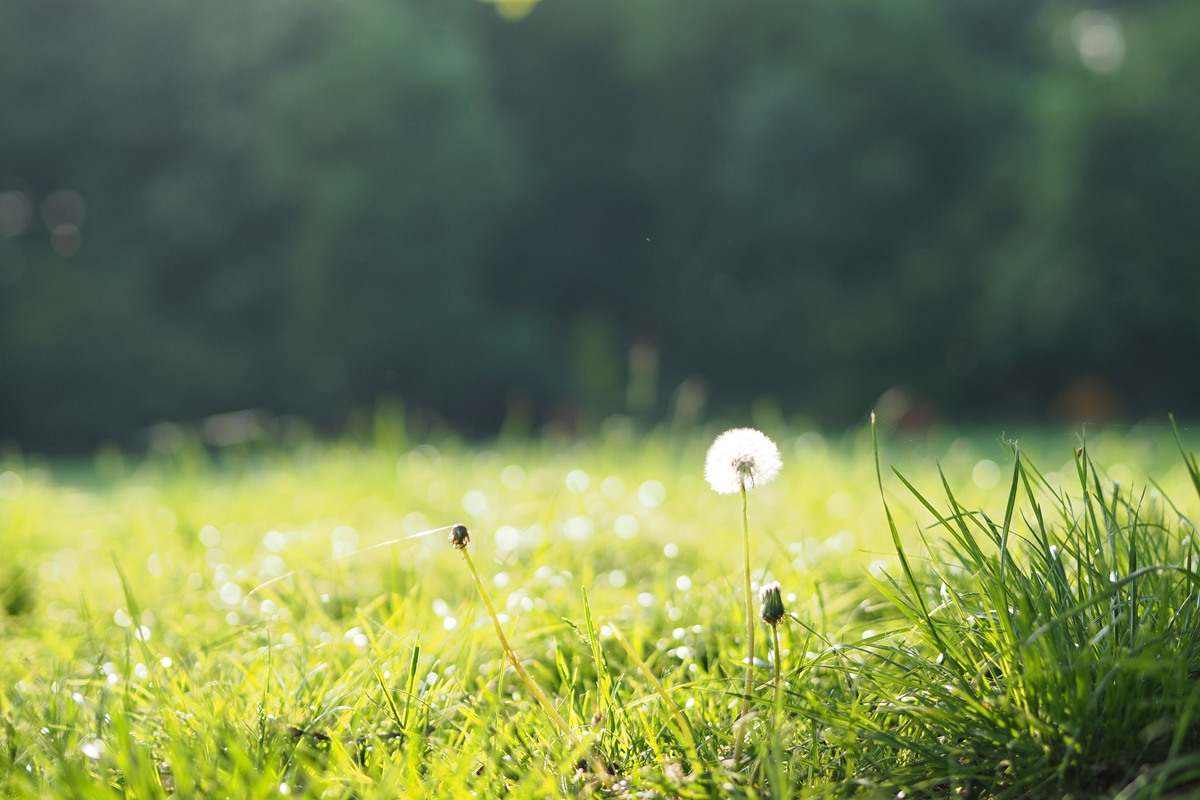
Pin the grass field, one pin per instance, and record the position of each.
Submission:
(1041, 638)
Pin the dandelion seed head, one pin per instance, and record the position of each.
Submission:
(742, 456)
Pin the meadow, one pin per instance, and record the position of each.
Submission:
(262, 621)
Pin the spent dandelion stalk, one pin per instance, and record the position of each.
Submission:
(460, 538)
(738, 460)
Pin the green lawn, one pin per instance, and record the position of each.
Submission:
(1037, 641)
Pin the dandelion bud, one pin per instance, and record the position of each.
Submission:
(741, 458)
(772, 603)
(459, 536)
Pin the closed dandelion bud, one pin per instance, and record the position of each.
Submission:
(772, 603)
(459, 536)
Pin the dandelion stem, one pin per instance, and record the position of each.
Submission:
(530, 683)
(749, 683)
(775, 645)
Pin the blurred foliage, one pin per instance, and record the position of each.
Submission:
(302, 205)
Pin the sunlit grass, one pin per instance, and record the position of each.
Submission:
(1068, 666)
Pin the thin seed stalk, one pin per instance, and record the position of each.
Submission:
(749, 684)
(597, 766)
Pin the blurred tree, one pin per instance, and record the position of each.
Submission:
(286, 200)
(299, 206)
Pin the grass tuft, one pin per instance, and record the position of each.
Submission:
(947, 634)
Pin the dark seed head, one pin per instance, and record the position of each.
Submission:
(459, 536)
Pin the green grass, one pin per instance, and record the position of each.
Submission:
(1036, 634)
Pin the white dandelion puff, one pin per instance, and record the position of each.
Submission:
(741, 455)
(742, 459)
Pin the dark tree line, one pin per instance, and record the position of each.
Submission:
(300, 204)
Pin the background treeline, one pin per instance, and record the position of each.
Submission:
(629, 205)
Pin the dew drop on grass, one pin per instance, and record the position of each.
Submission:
(986, 474)
(579, 528)
(577, 481)
(231, 594)
(651, 494)
(683, 583)
(507, 538)
(839, 505)
(11, 485)
(810, 446)
(671, 550)
(1121, 474)
(475, 503)
(613, 487)
(626, 526)
(617, 578)
(210, 536)
(513, 477)
(532, 536)
(843, 542)
(416, 522)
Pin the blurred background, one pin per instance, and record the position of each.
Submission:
(533, 216)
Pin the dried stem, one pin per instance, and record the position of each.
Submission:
(597, 765)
